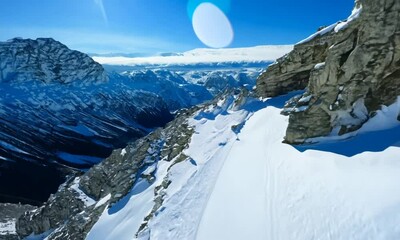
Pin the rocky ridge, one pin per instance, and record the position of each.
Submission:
(349, 70)
(110, 182)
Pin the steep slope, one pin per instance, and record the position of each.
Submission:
(222, 172)
(58, 110)
(350, 69)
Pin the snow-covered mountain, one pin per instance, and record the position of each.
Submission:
(259, 54)
(196, 75)
(58, 109)
(170, 86)
(221, 171)
(46, 60)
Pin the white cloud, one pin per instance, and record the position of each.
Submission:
(100, 4)
(206, 55)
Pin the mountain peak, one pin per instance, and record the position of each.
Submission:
(48, 61)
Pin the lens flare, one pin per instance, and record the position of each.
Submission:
(212, 26)
(224, 5)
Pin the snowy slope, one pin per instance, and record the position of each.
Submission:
(241, 182)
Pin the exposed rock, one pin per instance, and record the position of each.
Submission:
(46, 60)
(360, 72)
(292, 71)
(9, 213)
(71, 213)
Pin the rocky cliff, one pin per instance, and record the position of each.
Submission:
(349, 69)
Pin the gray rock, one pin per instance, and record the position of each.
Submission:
(292, 71)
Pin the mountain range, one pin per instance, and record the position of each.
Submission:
(305, 148)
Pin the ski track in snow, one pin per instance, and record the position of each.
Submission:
(310, 195)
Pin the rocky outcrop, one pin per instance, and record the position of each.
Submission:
(48, 61)
(358, 72)
(292, 71)
(9, 213)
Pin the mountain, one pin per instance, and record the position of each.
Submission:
(193, 77)
(223, 169)
(259, 54)
(59, 111)
(170, 86)
(48, 61)
(350, 70)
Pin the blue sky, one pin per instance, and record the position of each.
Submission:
(154, 26)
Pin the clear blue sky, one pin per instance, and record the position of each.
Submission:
(153, 26)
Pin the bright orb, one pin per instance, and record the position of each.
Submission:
(212, 26)
(224, 5)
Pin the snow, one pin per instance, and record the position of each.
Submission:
(88, 201)
(247, 184)
(319, 33)
(270, 190)
(319, 65)
(305, 99)
(354, 15)
(123, 220)
(123, 152)
(334, 27)
(192, 184)
(205, 55)
(103, 201)
(7, 227)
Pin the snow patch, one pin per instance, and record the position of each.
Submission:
(123, 152)
(88, 201)
(319, 33)
(354, 15)
(319, 65)
(103, 201)
(7, 227)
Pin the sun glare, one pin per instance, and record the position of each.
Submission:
(212, 26)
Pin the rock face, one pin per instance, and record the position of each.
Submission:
(46, 60)
(9, 213)
(348, 78)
